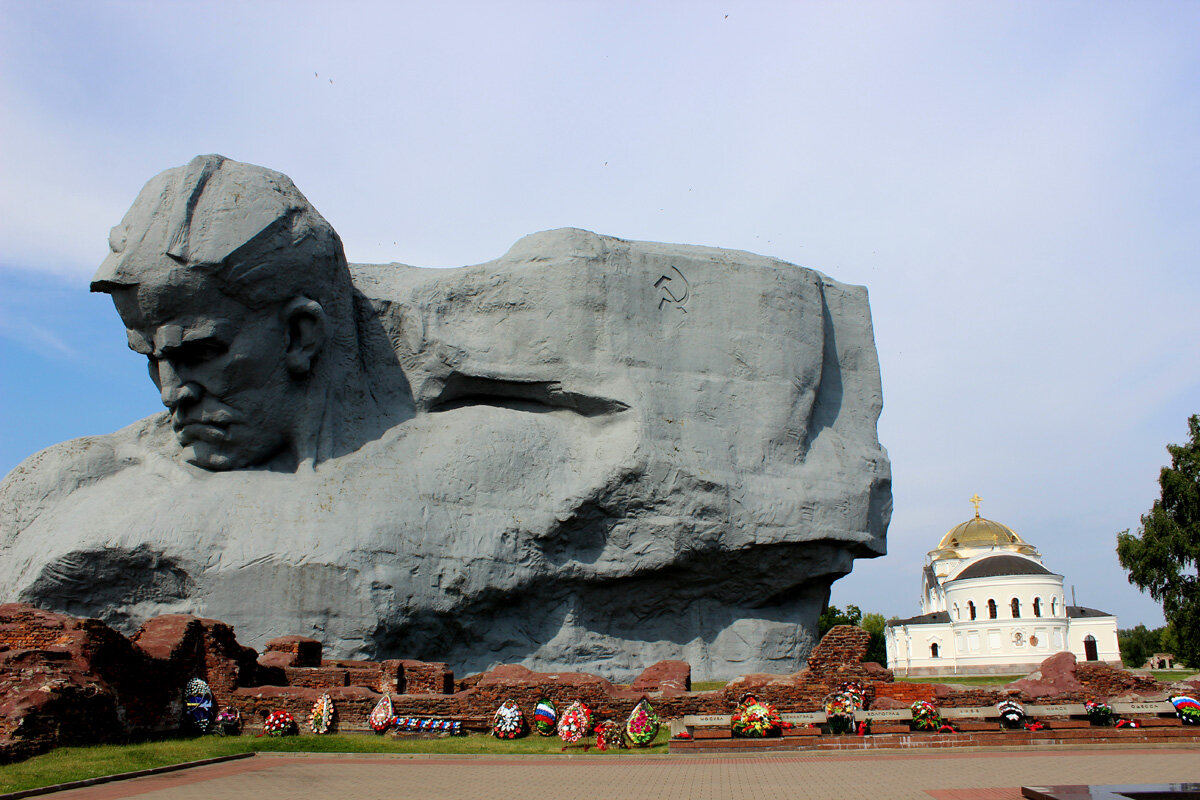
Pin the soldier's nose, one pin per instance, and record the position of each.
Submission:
(180, 395)
(175, 391)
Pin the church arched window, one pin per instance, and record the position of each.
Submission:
(971, 608)
(1054, 606)
(1037, 606)
(1089, 648)
(933, 650)
(992, 613)
(1016, 608)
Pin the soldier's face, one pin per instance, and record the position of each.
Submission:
(220, 370)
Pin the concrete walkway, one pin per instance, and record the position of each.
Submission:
(995, 775)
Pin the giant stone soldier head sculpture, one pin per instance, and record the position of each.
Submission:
(231, 284)
(588, 454)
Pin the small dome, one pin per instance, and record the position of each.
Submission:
(995, 566)
(980, 533)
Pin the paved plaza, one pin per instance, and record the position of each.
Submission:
(994, 775)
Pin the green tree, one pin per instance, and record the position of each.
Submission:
(874, 624)
(1168, 642)
(833, 616)
(1163, 556)
(1138, 644)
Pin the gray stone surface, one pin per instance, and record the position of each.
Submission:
(589, 454)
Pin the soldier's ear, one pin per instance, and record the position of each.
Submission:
(304, 322)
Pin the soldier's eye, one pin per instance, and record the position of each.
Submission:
(199, 352)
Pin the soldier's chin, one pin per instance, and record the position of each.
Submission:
(210, 456)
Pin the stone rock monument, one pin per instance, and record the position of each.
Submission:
(589, 454)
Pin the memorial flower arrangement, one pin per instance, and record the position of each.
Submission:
(321, 716)
(545, 717)
(280, 723)
(839, 710)
(1187, 709)
(508, 722)
(449, 726)
(754, 719)
(575, 723)
(610, 734)
(382, 715)
(1012, 714)
(642, 725)
(199, 705)
(925, 716)
(229, 722)
(853, 690)
(1098, 713)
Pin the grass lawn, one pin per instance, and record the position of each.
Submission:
(77, 763)
(708, 686)
(968, 680)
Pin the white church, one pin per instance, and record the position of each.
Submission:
(989, 606)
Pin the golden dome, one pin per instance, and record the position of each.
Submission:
(980, 533)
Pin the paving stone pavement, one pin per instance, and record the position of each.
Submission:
(941, 776)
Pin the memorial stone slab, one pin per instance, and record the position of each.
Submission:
(882, 714)
(804, 718)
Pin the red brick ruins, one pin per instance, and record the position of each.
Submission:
(74, 681)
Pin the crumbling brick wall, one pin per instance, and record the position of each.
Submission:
(66, 680)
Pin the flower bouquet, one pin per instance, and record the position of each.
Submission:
(925, 716)
(1012, 714)
(854, 690)
(754, 719)
(545, 717)
(575, 723)
(642, 725)
(839, 710)
(508, 722)
(1098, 713)
(229, 722)
(280, 723)
(1187, 709)
(382, 715)
(610, 734)
(321, 716)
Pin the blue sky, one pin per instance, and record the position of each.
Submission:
(1016, 184)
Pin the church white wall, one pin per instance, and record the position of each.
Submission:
(1006, 644)
(1046, 589)
(1103, 629)
(911, 646)
(988, 646)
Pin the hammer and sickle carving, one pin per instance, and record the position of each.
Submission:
(674, 291)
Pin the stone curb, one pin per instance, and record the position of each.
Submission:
(60, 787)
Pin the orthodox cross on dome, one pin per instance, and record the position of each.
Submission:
(976, 499)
